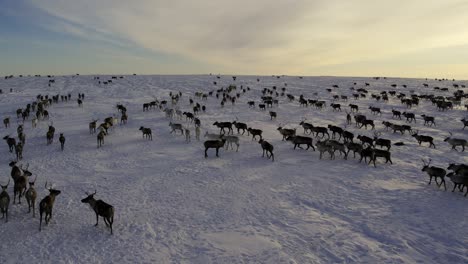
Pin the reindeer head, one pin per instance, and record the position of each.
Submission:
(89, 197)
(5, 187)
(426, 166)
(447, 139)
(52, 192)
(31, 183)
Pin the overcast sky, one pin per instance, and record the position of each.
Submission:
(402, 38)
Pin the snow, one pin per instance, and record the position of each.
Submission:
(174, 206)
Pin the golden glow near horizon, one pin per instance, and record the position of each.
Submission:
(407, 38)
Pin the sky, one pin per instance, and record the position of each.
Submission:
(398, 38)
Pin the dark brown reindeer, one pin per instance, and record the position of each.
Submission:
(11, 142)
(422, 138)
(435, 172)
(31, 196)
(6, 122)
(101, 209)
(100, 138)
(92, 126)
(62, 141)
(46, 205)
(20, 184)
(216, 144)
(267, 148)
(146, 133)
(4, 201)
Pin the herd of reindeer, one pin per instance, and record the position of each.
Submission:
(329, 139)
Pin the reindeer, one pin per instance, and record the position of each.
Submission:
(222, 126)
(240, 126)
(396, 113)
(366, 139)
(62, 141)
(50, 134)
(34, 122)
(11, 142)
(106, 125)
(230, 140)
(31, 196)
(421, 138)
(435, 172)
(336, 130)
(100, 138)
(359, 119)
(347, 136)
(216, 144)
(375, 110)
(348, 118)
(267, 148)
(454, 142)
(175, 127)
(382, 142)
(300, 140)
(4, 201)
(306, 126)
(409, 117)
(458, 168)
(146, 132)
(50, 137)
(285, 132)
(6, 122)
(464, 121)
(460, 181)
(197, 133)
(320, 130)
(46, 205)
(336, 107)
(428, 120)
(272, 115)
(19, 151)
(354, 107)
(355, 147)
(255, 132)
(337, 146)
(382, 153)
(368, 122)
(101, 209)
(124, 118)
(92, 126)
(323, 147)
(367, 153)
(20, 184)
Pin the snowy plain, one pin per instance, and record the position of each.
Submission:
(174, 206)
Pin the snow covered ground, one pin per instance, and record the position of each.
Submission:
(174, 206)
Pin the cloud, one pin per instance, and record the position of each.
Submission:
(264, 36)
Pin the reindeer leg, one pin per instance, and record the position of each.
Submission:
(97, 220)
